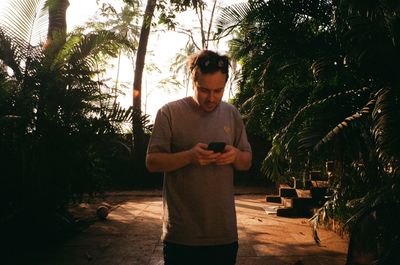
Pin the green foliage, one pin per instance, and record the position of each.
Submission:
(320, 80)
(56, 121)
(373, 28)
(28, 20)
(276, 42)
(123, 22)
(168, 9)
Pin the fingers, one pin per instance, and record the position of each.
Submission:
(202, 146)
(206, 160)
(202, 156)
(228, 157)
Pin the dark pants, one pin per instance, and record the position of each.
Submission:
(176, 254)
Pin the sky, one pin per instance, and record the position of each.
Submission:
(162, 49)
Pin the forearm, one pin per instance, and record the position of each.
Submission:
(165, 162)
(243, 160)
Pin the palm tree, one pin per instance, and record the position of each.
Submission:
(52, 125)
(28, 20)
(41, 18)
(276, 42)
(376, 168)
(57, 19)
(345, 109)
(123, 22)
(179, 66)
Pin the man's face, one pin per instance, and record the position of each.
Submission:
(209, 89)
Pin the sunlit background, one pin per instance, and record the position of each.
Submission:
(162, 49)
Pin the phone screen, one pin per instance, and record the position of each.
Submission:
(217, 147)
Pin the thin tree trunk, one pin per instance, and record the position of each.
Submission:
(141, 53)
(138, 133)
(203, 37)
(209, 26)
(117, 78)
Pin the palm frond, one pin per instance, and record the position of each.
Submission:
(363, 113)
(232, 16)
(322, 66)
(9, 53)
(16, 53)
(85, 50)
(27, 20)
(371, 36)
(274, 164)
(297, 118)
(386, 128)
(318, 218)
(120, 115)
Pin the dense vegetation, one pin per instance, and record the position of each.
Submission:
(62, 134)
(320, 82)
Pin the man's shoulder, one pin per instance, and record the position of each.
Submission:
(228, 106)
(178, 102)
(175, 104)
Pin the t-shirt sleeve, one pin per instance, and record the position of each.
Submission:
(160, 140)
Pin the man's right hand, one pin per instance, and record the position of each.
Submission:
(201, 156)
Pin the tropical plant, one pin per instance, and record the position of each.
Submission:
(123, 21)
(166, 16)
(320, 80)
(27, 21)
(374, 180)
(179, 67)
(275, 43)
(54, 125)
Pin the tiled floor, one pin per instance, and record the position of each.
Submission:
(268, 239)
(131, 235)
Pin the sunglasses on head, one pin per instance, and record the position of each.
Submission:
(211, 64)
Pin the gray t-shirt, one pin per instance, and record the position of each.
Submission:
(198, 201)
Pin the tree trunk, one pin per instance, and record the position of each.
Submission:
(57, 20)
(141, 54)
(138, 133)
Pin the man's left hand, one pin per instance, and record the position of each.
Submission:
(228, 157)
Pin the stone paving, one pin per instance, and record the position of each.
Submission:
(131, 235)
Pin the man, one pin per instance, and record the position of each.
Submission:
(199, 218)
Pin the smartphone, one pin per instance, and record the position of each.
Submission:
(217, 147)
